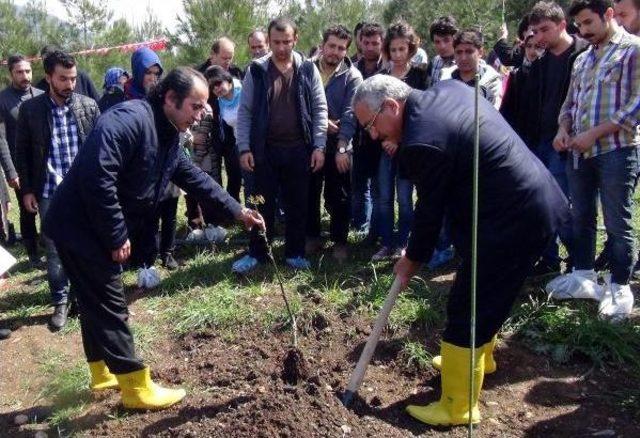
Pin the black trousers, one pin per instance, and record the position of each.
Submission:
(166, 221)
(501, 275)
(103, 311)
(285, 172)
(27, 227)
(232, 167)
(337, 200)
(157, 233)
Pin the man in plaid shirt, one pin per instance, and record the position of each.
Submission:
(50, 130)
(599, 127)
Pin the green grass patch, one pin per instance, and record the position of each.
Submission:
(219, 307)
(416, 356)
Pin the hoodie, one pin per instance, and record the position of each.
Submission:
(141, 60)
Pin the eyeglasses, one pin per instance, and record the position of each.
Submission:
(369, 125)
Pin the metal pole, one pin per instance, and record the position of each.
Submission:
(474, 245)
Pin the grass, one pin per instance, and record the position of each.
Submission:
(416, 356)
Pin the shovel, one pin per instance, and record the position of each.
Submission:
(372, 342)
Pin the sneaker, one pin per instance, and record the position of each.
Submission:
(579, 284)
(5, 334)
(169, 262)
(544, 267)
(59, 317)
(37, 262)
(215, 234)
(383, 253)
(440, 258)
(617, 303)
(148, 278)
(298, 263)
(244, 265)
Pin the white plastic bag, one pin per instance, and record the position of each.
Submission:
(215, 234)
(148, 278)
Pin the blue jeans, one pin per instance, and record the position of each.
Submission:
(385, 185)
(556, 164)
(361, 203)
(612, 175)
(57, 279)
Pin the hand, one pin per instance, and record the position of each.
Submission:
(251, 218)
(121, 254)
(582, 142)
(561, 140)
(246, 162)
(390, 148)
(333, 127)
(317, 160)
(405, 269)
(504, 31)
(14, 183)
(343, 162)
(30, 203)
(199, 139)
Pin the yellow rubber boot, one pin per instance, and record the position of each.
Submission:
(101, 377)
(453, 407)
(490, 365)
(139, 392)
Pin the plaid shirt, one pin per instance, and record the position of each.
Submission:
(63, 148)
(605, 86)
(441, 69)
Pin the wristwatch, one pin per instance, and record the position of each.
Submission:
(345, 149)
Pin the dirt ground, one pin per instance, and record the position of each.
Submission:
(235, 389)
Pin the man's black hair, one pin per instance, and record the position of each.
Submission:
(371, 29)
(523, 26)
(358, 27)
(338, 31)
(597, 6)
(15, 59)
(281, 25)
(52, 59)
(181, 80)
(546, 10)
(469, 36)
(49, 48)
(443, 26)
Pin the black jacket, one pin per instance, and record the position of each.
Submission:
(119, 177)
(515, 102)
(520, 201)
(509, 55)
(84, 86)
(535, 88)
(33, 136)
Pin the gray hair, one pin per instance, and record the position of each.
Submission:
(373, 91)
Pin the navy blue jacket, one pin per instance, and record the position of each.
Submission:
(520, 201)
(118, 178)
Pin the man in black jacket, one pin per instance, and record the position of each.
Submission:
(520, 207)
(52, 127)
(549, 79)
(11, 98)
(222, 52)
(121, 173)
(83, 85)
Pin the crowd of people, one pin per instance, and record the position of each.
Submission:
(558, 134)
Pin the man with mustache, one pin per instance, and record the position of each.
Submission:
(51, 129)
(599, 128)
(17, 92)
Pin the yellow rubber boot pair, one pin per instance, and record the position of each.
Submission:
(490, 365)
(453, 407)
(101, 377)
(139, 392)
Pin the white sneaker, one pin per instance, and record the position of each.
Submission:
(148, 278)
(195, 236)
(580, 284)
(617, 303)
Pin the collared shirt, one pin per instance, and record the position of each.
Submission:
(605, 86)
(442, 69)
(64, 145)
(490, 83)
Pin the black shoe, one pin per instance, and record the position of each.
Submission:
(4, 334)
(543, 267)
(36, 262)
(169, 262)
(59, 317)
